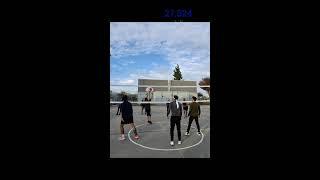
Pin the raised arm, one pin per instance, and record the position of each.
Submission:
(190, 110)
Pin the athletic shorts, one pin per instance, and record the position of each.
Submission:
(127, 120)
(148, 112)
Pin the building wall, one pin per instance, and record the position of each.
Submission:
(162, 94)
(152, 82)
(183, 83)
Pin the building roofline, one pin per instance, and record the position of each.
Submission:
(166, 80)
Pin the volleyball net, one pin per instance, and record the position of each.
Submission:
(159, 94)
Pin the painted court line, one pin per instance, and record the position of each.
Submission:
(159, 149)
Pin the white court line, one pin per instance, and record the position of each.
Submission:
(159, 149)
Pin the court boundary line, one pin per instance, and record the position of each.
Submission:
(160, 149)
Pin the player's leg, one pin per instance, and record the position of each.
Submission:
(172, 123)
(178, 123)
(134, 131)
(189, 125)
(121, 133)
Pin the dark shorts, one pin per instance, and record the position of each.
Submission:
(185, 108)
(127, 120)
(148, 112)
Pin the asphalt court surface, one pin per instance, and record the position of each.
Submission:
(155, 138)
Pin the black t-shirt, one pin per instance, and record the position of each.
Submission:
(126, 109)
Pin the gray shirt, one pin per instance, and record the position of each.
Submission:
(174, 110)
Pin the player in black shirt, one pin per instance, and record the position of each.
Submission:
(142, 107)
(185, 108)
(127, 118)
(148, 110)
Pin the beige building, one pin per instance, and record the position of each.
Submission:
(164, 93)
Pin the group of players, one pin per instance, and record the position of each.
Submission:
(174, 107)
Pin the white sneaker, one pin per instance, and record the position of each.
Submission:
(122, 138)
(199, 134)
(171, 143)
(179, 142)
(187, 134)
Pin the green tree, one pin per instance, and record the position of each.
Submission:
(204, 82)
(177, 75)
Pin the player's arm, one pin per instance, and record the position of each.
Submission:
(190, 110)
(168, 112)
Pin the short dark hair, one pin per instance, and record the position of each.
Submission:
(124, 97)
(175, 97)
(146, 99)
(194, 98)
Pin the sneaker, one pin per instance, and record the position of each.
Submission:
(136, 137)
(171, 143)
(179, 142)
(122, 138)
(149, 122)
(187, 134)
(199, 133)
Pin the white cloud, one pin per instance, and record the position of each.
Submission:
(183, 43)
(127, 81)
(159, 37)
(126, 63)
